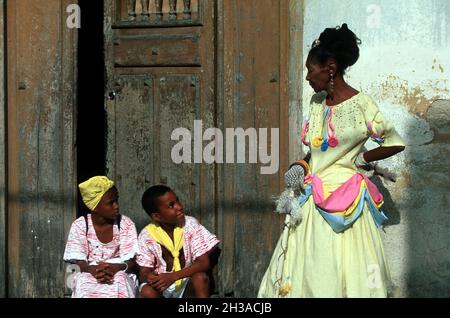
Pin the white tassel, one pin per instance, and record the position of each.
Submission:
(287, 203)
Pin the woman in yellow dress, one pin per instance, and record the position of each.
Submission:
(336, 249)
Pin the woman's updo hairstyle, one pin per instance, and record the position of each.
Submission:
(339, 43)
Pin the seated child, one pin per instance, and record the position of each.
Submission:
(103, 244)
(173, 249)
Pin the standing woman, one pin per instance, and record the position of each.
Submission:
(336, 250)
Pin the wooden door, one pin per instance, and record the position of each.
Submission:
(41, 169)
(226, 65)
(160, 58)
(254, 37)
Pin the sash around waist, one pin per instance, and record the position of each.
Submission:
(342, 207)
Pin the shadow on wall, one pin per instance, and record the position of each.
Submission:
(389, 207)
(427, 208)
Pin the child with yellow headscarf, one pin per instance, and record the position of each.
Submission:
(102, 244)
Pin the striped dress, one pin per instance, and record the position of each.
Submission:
(82, 246)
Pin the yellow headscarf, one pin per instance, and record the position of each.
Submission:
(93, 190)
(174, 247)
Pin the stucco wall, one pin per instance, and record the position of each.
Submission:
(405, 66)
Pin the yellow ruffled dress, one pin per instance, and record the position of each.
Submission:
(320, 262)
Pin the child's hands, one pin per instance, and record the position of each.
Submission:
(113, 269)
(151, 277)
(103, 273)
(161, 282)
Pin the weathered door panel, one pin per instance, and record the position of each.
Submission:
(157, 50)
(165, 66)
(255, 41)
(244, 85)
(41, 146)
(179, 106)
(131, 119)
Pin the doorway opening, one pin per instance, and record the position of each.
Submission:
(91, 118)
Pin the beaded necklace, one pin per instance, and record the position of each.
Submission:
(327, 137)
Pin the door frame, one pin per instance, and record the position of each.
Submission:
(3, 157)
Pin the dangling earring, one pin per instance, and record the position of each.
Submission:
(331, 84)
